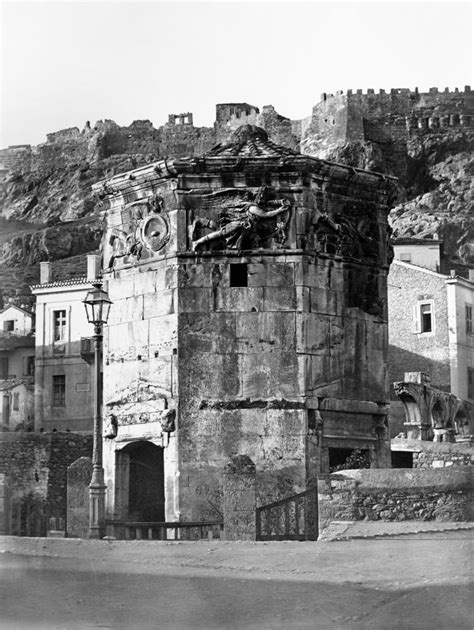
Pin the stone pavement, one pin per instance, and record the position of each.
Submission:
(347, 530)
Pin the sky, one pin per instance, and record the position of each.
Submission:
(63, 63)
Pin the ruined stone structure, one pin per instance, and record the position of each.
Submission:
(249, 317)
(432, 414)
(386, 119)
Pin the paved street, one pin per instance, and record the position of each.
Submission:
(411, 582)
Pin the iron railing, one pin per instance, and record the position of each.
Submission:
(293, 518)
(32, 517)
(141, 530)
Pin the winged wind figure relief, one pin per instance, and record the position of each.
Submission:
(241, 219)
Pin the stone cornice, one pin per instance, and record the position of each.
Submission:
(157, 172)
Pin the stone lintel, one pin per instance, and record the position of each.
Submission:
(352, 439)
(353, 406)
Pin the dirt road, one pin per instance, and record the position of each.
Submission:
(392, 584)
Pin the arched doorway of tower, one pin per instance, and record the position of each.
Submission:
(140, 486)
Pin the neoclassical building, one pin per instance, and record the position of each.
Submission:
(249, 317)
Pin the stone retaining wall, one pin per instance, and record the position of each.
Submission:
(396, 495)
(435, 454)
(35, 465)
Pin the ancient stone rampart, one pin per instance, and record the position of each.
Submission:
(17, 157)
(383, 117)
(63, 134)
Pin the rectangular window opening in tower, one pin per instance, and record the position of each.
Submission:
(238, 275)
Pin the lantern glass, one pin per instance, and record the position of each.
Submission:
(97, 304)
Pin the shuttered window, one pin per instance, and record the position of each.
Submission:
(423, 317)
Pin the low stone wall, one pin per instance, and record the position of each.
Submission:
(436, 454)
(35, 465)
(396, 495)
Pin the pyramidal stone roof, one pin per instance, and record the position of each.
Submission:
(247, 146)
(250, 141)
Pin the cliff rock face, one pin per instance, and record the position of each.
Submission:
(436, 193)
(426, 140)
(48, 211)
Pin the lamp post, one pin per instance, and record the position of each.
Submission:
(97, 305)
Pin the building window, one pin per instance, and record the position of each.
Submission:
(424, 317)
(426, 322)
(470, 382)
(59, 325)
(9, 325)
(3, 367)
(59, 391)
(16, 401)
(29, 366)
(469, 326)
(238, 275)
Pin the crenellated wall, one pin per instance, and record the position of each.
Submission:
(386, 118)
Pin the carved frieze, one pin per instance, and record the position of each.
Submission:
(348, 236)
(239, 218)
(165, 417)
(144, 231)
(142, 402)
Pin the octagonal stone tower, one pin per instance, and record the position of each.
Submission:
(249, 317)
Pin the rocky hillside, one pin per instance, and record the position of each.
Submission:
(47, 210)
(52, 215)
(440, 196)
(436, 192)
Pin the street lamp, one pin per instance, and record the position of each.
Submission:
(97, 305)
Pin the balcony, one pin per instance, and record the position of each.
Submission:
(7, 377)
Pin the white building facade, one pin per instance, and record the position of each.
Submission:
(64, 353)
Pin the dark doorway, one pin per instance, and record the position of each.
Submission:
(146, 489)
(402, 459)
(348, 459)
